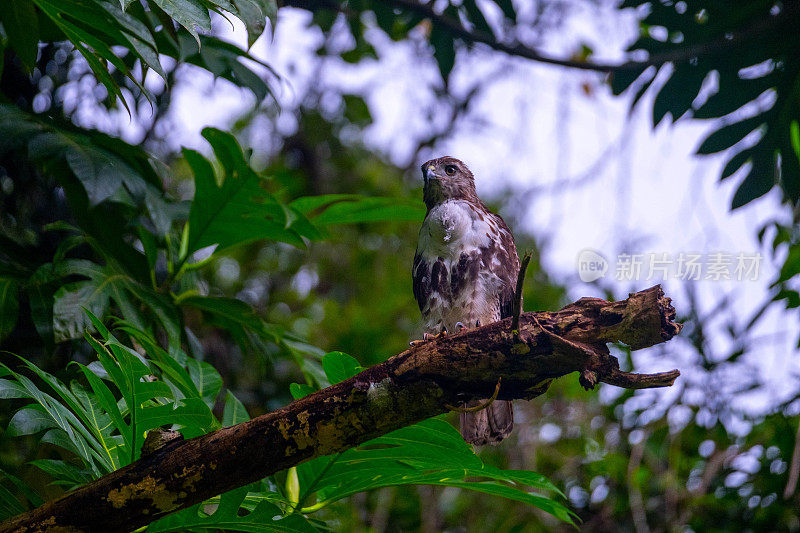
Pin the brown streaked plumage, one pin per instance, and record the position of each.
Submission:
(464, 271)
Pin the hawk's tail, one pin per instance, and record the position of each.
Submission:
(488, 426)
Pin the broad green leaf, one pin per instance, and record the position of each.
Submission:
(339, 366)
(189, 414)
(72, 414)
(350, 209)
(254, 18)
(100, 423)
(476, 18)
(234, 412)
(678, 93)
(443, 50)
(227, 517)
(431, 452)
(63, 473)
(11, 389)
(729, 135)
(9, 502)
(507, 6)
(106, 399)
(93, 49)
(22, 30)
(29, 420)
(70, 304)
(300, 390)
(190, 14)
(222, 59)
(206, 379)
(757, 182)
(67, 430)
(736, 162)
(234, 315)
(238, 210)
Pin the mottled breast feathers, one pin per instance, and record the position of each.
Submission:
(466, 266)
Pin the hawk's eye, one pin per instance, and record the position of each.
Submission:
(450, 170)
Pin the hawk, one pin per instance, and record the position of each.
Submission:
(464, 274)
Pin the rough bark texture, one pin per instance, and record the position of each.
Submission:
(409, 387)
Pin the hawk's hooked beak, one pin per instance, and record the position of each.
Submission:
(430, 173)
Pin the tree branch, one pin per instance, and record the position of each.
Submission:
(409, 387)
(723, 43)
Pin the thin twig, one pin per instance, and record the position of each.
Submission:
(794, 469)
(479, 407)
(634, 493)
(517, 309)
(630, 380)
(761, 26)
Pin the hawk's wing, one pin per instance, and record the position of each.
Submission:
(501, 257)
(419, 270)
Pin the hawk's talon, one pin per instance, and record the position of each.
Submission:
(477, 323)
(460, 327)
(428, 337)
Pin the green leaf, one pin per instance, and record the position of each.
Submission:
(106, 399)
(729, 135)
(622, 78)
(431, 452)
(9, 306)
(507, 6)
(69, 305)
(300, 390)
(356, 110)
(332, 209)
(190, 414)
(234, 412)
(21, 26)
(65, 14)
(233, 315)
(757, 183)
(476, 18)
(207, 380)
(227, 516)
(29, 420)
(736, 162)
(237, 211)
(339, 366)
(63, 473)
(11, 389)
(99, 422)
(678, 93)
(9, 502)
(443, 50)
(67, 432)
(734, 94)
(190, 14)
(224, 60)
(254, 18)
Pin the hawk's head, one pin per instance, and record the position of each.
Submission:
(447, 178)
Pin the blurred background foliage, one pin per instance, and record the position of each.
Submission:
(316, 230)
